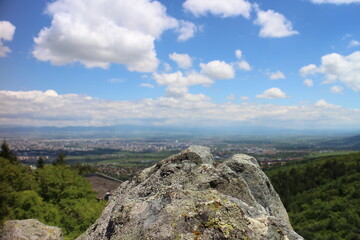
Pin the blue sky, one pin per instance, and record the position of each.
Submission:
(293, 64)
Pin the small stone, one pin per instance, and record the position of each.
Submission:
(30, 229)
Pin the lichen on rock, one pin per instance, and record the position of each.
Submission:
(188, 196)
(29, 229)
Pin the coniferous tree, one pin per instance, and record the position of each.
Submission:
(60, 159)
(7, 153)
(40, 162)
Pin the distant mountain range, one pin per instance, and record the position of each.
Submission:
(331, 137)
(351, 143)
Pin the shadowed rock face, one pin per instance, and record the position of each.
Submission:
(188, 196)
(30, 229)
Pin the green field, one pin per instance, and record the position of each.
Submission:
(326, 154)
(123, 158)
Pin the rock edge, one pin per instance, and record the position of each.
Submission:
(189, 196)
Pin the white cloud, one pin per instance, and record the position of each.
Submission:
(196, 78)
(147, 85)
(176, 92)
(223, 8)
(354, 43)
(38, 108)
(177, 79)
(187, 30)
(324, 104)
(276, 75)
(7, 31)
(98, 33)
(51, 93)
(218, 70)
(308, 82)
(167, 67)
(335, 1)
(308, 70)
(238, 54)
(336, 89)
(272, 93)
(183, 60)
(244, 65)
(177, 83)
(343, 68)
(273, 24)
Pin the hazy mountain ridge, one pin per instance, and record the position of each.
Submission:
(352, 143)
(165, 131)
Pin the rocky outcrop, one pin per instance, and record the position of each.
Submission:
(189, 196)
(30, 229)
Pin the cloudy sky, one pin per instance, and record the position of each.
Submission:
(291, 64)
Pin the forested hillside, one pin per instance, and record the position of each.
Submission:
(322, 196)
(55, 194)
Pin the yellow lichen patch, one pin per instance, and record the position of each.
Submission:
(219, 224)
(197, 234)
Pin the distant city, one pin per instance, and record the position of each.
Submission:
(29, 150)
(122, 157)
(131, 147)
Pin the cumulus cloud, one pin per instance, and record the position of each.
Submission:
(51, 93)
(167, 67)
(182, 60)
(98, 33)
(336, 89)
(337, 67)
(273, 24)
(218, 70)
(222, 8)
(324, 104)
(38, 108)
(238, 54)
(308, 82)
(335, 1)
(276, 75)
(272, 93)
(187, 30)
(244, 65)
(7, 31)
(177, 83)
(308, 70)
(177, 79)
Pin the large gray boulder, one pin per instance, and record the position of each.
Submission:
(188, 196)
(30, 229)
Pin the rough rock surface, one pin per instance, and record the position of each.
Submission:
(188, 196)
(30, 229)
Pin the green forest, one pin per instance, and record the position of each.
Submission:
(55, 194)
(322, 196)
